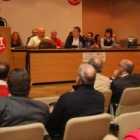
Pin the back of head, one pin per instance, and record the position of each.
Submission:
(87, 74)
(128, 65)
(97, 63)
(4, 70)
(19, 82)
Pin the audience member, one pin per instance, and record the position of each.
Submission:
(34, 33)
(97, 41)
(123, 78)
(19, 109)
(75, 40)
(84, 101)
(34, 41)
(16, 40)
(101, 81)
(108, 41)
(4, 70)
(56, 40)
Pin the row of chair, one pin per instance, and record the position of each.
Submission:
(82, 128)
(130, 100)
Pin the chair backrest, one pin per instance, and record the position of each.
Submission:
(107, 95)
(47, 100)
(24, 132)
(88, 128)
(127, 122)
(130, 101)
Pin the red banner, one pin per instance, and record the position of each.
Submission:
(2, 44)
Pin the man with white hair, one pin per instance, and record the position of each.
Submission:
(34, 41)
(83, 101)
(101, 81)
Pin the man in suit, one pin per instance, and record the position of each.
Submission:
(101, 81)
(4, 70)
(83, 101)
(123, 78)
(75, 40)
(19, 109)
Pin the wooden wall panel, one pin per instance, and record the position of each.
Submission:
(96, 16)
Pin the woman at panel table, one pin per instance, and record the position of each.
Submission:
(108, 41)
(16, 40)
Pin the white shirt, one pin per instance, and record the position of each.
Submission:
(75, 41)
(3, 83)
(34, 41)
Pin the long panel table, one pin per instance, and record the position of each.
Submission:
(60, 65)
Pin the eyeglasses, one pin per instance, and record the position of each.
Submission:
(121, 66)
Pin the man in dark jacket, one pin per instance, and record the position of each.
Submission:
(19, 109)
(84, 101)
(122, 79)
(75, 40)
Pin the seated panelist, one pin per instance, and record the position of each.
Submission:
(34, 41)
(75, 40)
(56, 40)
(108, 41)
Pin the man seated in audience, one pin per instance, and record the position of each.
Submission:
(34, 41)
(75, 40)
(101, 81)
(123, 78)
(56, 40)
(34, 33)
(84, 101)
(4, 70)
(19, 109)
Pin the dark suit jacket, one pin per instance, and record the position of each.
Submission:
(22, 110)
(118, 85)
(84, 101)
(69, 40)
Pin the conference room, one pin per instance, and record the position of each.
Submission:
(54, 68)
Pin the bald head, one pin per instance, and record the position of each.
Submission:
(97, 63)
(128, 65)
(86, 74)
(53, 33)
(41, 32)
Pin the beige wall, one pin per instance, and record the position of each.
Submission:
(125, 18)
(24, 15)
(92, 15)
(121, 15)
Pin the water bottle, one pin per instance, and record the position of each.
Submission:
(80, 45)
(88, 44)
(114, 44)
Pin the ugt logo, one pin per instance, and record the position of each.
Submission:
(2, 44)
(74, 2)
